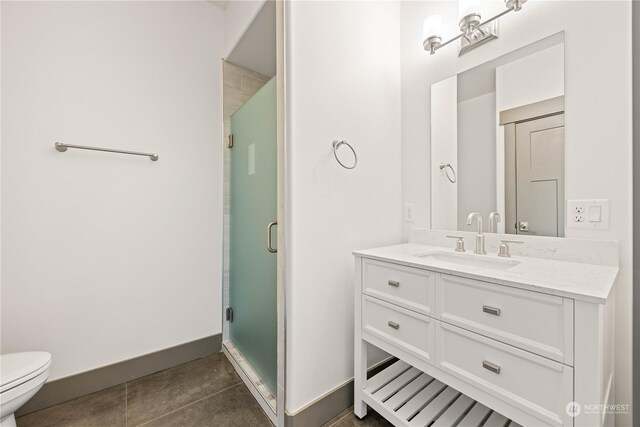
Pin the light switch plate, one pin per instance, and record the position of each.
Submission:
(588, 214)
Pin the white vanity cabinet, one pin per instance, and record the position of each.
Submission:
(521, 354)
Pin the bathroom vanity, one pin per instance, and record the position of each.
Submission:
(524, 336)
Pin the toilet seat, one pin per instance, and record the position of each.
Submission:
(18, 368)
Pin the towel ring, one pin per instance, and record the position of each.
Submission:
(337, 144)
(447, 167)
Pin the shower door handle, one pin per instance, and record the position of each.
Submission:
(269, 228)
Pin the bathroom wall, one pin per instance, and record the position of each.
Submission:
(444, 149)
(239, 16)
(476, 158)
(598, 118)
(105, 256)
(343, 82)
(534, 78)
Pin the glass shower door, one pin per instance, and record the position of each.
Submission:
(253, 206)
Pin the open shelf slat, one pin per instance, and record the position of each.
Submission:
(408, 397)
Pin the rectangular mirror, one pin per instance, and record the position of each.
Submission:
(497, 143)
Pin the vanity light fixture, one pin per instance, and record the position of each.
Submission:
(430, 30)
(473, 31)
(469, 15)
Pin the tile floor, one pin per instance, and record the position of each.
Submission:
(205, 392)
(348, 419)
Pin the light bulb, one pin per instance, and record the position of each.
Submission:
(469, 7)
(432, 27)
(470, 15)
(432, 33)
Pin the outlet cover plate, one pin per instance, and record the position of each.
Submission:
(410, 212)
(588, 214)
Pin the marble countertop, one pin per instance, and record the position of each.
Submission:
(586, 282)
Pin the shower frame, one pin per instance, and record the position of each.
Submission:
(279, 417)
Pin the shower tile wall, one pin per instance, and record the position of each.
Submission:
(240, 84)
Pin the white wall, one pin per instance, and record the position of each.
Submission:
(534, 78)
(476, 159)
(343, 82)
(256, 49)
(598, 117)
(239, 14)
(107, 257)
(444, 149)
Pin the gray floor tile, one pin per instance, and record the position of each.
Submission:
(348, 419)
(104, 408)
(155, 395)
(233, 407)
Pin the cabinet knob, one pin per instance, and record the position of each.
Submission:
(394, 283)
(394, 325)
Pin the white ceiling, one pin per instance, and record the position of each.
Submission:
(256, 50)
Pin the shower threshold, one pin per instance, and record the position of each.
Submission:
(256, 386)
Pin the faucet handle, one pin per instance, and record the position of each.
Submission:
(459, 243)
(504, 247)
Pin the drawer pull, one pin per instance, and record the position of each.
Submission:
(394, 283)
(491, 310)
(491, 367)
(394, 325)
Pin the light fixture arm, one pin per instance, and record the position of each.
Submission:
(512, 6)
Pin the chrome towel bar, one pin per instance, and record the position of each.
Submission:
(63, 147)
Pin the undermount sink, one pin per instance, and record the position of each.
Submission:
(480, 261)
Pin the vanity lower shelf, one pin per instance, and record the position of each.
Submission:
(406, 396)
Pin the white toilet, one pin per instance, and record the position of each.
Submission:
(21, 376)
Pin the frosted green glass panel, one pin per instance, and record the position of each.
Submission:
(252, 279)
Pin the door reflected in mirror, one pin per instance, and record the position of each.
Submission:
(497, 143)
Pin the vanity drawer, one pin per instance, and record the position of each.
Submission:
(405, 329)
(407, 287)
(533, 384)
(540, 323)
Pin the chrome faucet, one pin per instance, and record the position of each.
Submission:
(480, 236)
(494, 219)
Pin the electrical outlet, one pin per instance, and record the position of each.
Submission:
(410, 212)
(589, 214)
